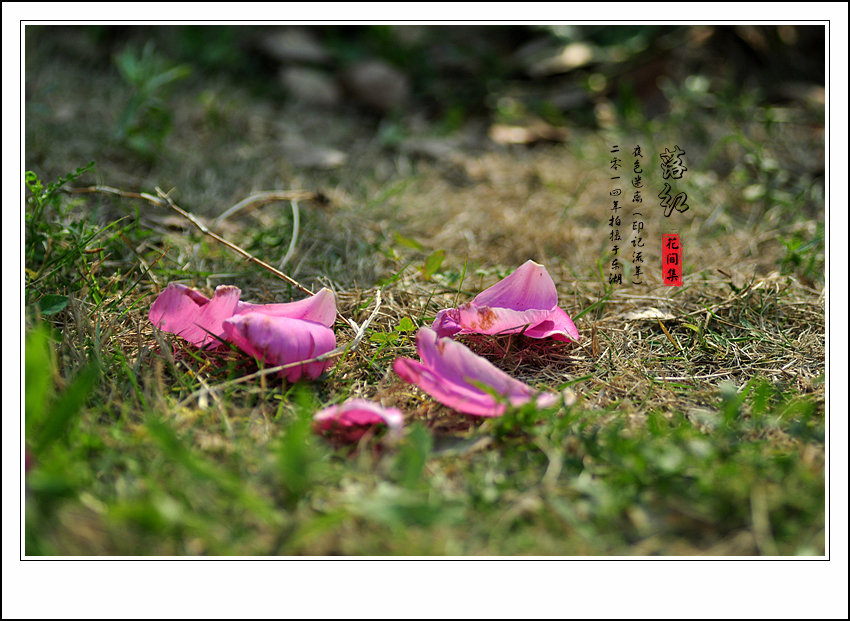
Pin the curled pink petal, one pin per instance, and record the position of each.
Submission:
(529, 287)
(525, 301)
(318, 308)
(191, 315)
(445, 323)
(494, 320)
(282, 340)
(454, 376)
(192, 294)
(557, 325)
(357, 413)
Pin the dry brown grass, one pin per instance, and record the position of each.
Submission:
(736, 318)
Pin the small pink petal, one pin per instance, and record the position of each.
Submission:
(282, 340)
(318, 308)
(449, 372)
(445, 323)
(359, 413)
(191, 315)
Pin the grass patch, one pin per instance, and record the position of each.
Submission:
(701, 434)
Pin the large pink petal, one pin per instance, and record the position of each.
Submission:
(359, 412)
(282, 340)
(191, 315)
(456, 396)
(495, 320)
(318, 308)
(526, 301)
(558, 326)
(173, 309)
(529, 288)
(193, 294)
(450, 372)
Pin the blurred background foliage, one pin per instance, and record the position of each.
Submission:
(463, 71)
(220, 111)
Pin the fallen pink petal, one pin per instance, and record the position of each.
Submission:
(454, 376)
(318, 308)
(357, 415)
(191, 315)
(526, 301)
(282, 340)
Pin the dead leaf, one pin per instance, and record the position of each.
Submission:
(648, 314)
(537, 131)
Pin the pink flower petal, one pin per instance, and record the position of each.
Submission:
(282, 340)
(445, 323)
(494, 320)
(449, 372)
(191, 315)
(557, 325)
(526, 301)
(359, 413)
(193, 294)
(318, 308)
(529, 287)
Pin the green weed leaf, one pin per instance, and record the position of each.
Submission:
(433, 263)
(51, 304)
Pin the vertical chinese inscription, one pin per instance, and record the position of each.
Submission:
(637, 217)
(615, 274)
(672, 167)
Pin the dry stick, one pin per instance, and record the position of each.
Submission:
(167, 201)
(201, 227)
(105, 189)
(291, 250)
(263, 198)
(670, 336)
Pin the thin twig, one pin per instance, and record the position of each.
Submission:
(670, 336)
(201, 227)
(105, 189)
(294, 239)
(263, 198)
(166, 201)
